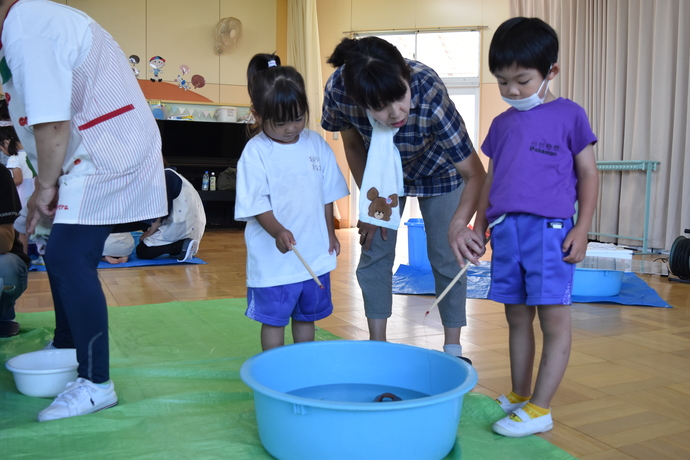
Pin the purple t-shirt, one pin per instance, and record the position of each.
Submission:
(533, 159)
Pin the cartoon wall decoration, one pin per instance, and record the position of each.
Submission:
(198, 81)
(156, 63)
(133, 61)
(181, 80)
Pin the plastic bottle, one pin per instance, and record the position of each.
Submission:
(213, 181)
(204, 181)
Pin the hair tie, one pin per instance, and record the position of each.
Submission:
(5, 123)
(272, 63)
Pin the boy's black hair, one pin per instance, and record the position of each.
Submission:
(375, 72)
(277, 92)
(526, 42)
(7, 133)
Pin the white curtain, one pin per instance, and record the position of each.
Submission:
(304, 54)
(627, 63)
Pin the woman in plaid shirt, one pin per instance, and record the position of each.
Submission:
(440, 167)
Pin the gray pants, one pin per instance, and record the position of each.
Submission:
(375, 269)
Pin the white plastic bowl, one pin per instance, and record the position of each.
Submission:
(44, 373)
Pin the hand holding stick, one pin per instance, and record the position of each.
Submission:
(445, 291)
(306, 265)
(452, 283)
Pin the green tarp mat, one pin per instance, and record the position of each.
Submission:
(176, 372)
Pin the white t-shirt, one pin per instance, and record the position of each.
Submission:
(57, 64)
(26, 188)
(187, 219)
(295, 181)
(119, 245)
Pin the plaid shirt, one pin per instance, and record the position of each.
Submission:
(432, 140)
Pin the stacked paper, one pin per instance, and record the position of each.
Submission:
(609, 250)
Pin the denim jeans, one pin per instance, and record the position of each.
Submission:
(14, 277)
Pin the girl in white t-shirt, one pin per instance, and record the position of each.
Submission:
(20, 167)
(287, 181)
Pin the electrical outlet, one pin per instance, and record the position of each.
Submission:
(336, 135)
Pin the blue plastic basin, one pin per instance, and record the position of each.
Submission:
(597, 283)
(314, 400)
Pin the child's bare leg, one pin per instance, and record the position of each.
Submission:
(520, 319)
(272, 336)
(303, 331)
(556, 327)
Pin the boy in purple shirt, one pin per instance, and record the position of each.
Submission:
(541, 163)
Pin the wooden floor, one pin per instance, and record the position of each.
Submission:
(626, 393)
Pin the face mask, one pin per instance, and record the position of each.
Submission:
(531, 102)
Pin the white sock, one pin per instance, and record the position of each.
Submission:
(453, 349)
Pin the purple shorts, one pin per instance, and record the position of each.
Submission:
(527, 262)
(303, 301)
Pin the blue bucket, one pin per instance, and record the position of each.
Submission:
(416, 244)
(314, 400)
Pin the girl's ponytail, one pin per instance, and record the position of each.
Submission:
(259, 63)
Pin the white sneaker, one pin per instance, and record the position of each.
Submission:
(525, 427)
(79, 398)
(189, 250)
(507, 406)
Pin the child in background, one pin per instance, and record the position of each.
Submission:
(287, 181)
(14, 264)
(4, 121)
(21, 169)
(541, 163)
(179, 232)
(118, 247)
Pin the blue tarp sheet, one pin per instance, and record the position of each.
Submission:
(411, 280)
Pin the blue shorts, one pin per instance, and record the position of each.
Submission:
(527, 263)
(303, 301)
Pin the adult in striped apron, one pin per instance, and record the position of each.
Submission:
(81, 116)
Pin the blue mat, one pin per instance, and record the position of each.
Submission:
(634, 291)
(411, 280)
(134, 261)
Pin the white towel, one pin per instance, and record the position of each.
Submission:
(382, 184)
